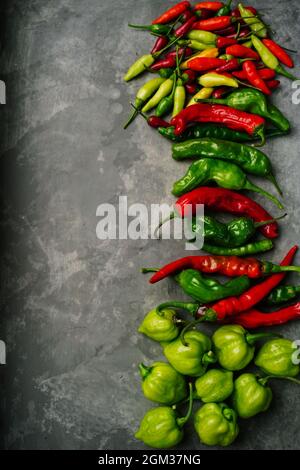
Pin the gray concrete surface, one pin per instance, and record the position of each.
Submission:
(71, 304)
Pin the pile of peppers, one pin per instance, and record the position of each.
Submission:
(213, 68)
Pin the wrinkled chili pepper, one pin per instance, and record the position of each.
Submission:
(225, 200)
(172, 13)
(279, 52)
(243, 52)
(219, 114)
(254, 78)
(254, 318)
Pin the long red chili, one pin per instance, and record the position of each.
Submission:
(202, 64)
(265, 74)
(226, 200)
(235, 305)
(185, 27)
(213, 6)
(279, 52)
(159, 44)
(222, 42)
(254, 78)
(229, 66)
(219, 114)
(238, 50)
(172, 13)
(254, 318)
(170, 60)
(214, 24)
(230, 31)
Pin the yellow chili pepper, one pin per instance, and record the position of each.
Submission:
(210, 80)
(203, 94)
(213, 52)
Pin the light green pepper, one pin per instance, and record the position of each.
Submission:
(179, 98)
(216, 424)
(203, 36)
(256, 25)
(276, 358)
(160, 326)
(164, 90)
(162, 383)
(192, 357)
(251, 395)
(139, 66)
(214, 386)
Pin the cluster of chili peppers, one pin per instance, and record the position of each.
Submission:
(216, 86)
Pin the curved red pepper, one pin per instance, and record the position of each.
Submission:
(202, 64)
(254, 78)
(172, 13)
(160, 43)
(185, 27)
(238, 50)
(214, 24)
(254, 318)
(226, 200)
(279, 52)
(229, 66)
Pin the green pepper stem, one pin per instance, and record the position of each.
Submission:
(270, 221)
(181, 421)
(191, 307)
(139, 26)
(252, 338)
(131, 118)
(273, 180)
(260, 133)
(149, 270)
(171, 43)
(144, 370)
(209, 358)
(206, 315)
(263, 380)
(281, 70)
(270, 268)
(167, 219)
(257, 189)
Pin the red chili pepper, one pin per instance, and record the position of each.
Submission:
(273, 84)
(235, 305)
(213, 6)
(265, 74)
(214, 24)
(186, 15)
(185, 27)
(191, 88)
(172, 13)
(279, 52)
(219, 114)
(160, 43)
(222, 42)
(254, 318)
(220, 92)
(185, 51)
(170, 60)
(254, 78)
(156, 122)
(202, 64)
(237, 50)
(232, 64)
(236, 11)
(230, 30)
(225, 200)
(189, 76)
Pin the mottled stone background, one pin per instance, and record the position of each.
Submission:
(71, 304)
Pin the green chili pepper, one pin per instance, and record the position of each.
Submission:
(231, 235)
(166, 104)
(213, 131)
(252, 395)
(166, 73)
(164, 90)
(234, 346)
(157, 29)
(161, 427)
(192, 357)
(206, 289)
(160, 326)
(142, 64)
(205, 37)
(216, 424)
(255, 102)
(179, 98)
(161, 383)
(224, 174)
(250, 249)
(250, 159)
(256, 25)
(282, 294)
(214, 386)
(269, 59)
(225, 10)
(144, 93)
(276, 358)
(212, 79)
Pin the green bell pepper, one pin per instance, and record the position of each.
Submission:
(161, 383)
(214, 386)
(276, 357)
(216, 424)
(160, 326)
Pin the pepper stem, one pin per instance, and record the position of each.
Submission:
(190, 307)
(208, 315)
(149, 270)
(263, 380)
(139, 26)
(270, 268)
(257, 189)
(281, 70)
(260, 133)
(209, 358)
(171, 43)
(270, 221)
(181, 421)
(167, 219)
(273, 180)
(131, 118)
(144, 370)
(252, 338)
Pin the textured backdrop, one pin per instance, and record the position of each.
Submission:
(71, 304)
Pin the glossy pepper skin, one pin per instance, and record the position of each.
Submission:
(159, 428)
(282, 294)
(172, 13)
(160, 326)
(251, 395)
(254, 318)
(205, 289)
(224, 174)
(255, 24)
(254, 101)
(253, 248)
(275, 358)
(161, 383)
(216, 385)
(234, 346)
(193, 358)
(216, 424)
